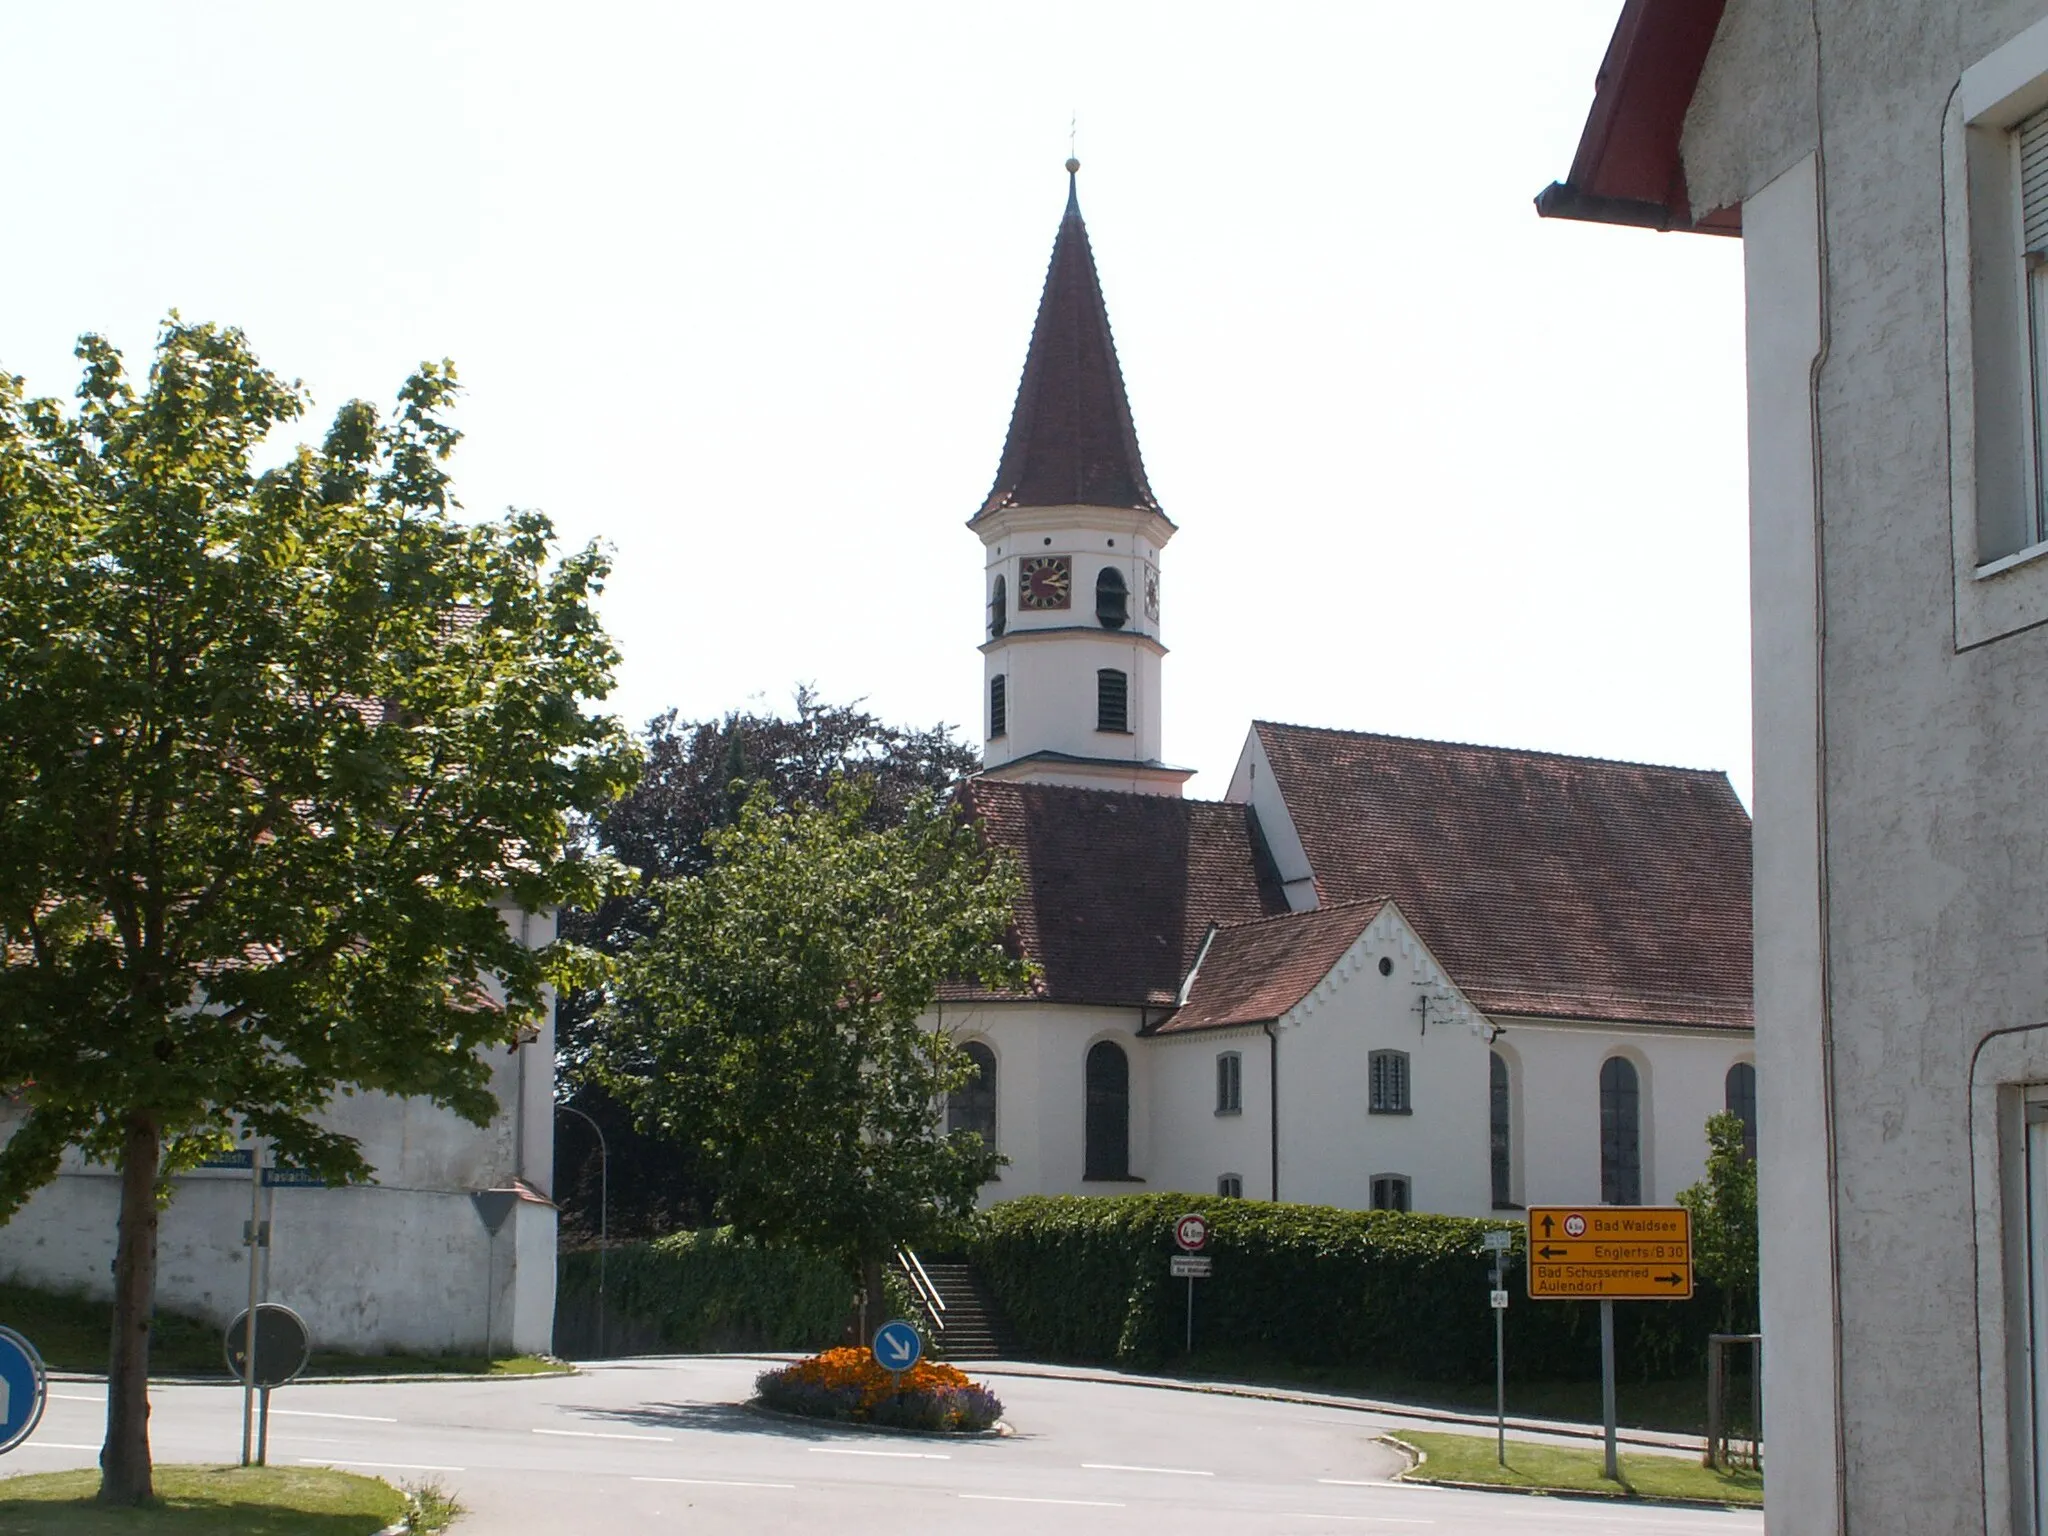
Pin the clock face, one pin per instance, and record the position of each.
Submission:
(1151, 594)
(1046, 581)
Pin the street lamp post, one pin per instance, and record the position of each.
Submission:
(604, 1188)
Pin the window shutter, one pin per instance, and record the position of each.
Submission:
(2033, 141)
(998, 705)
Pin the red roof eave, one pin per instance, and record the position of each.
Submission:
(1627, 169)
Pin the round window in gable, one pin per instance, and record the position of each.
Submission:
(1386, 966)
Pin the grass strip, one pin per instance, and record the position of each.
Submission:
(215, 1501)
(1570, 1469)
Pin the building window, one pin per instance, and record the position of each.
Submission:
(1390, 1192)
(1388, 1075)
(1108, 1129)
(2030, 148)
(1229, 1083)
(1742, 1104)
(998, 608)
(1113, 701)
(1231, 1186)
(1498, 1131)
(1112, 599)
(998, 706)
(972, 1106)
(1621, 1133)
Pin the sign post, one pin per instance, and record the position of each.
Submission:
(1497, 1244)
(281, 1349)
(1609, 1253)
(897, 1346)
(24, 1389)
(1191, 1232)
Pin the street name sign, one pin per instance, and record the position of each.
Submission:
(1496, 1242)
(24, 1389)
(898, 1345)
(1190, 1266)
(1610, 1252)
(1191, 1232)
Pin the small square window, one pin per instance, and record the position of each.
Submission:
(1390, 1192)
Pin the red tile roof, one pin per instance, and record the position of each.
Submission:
(1071, 439)
(1547, 885)
(1120, 889)
(1255, 971)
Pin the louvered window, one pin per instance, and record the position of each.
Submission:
(1113, 701)
(2032, 137)
(998, 706)
(1388, 1071)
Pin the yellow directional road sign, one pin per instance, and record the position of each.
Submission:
(1610, 1252)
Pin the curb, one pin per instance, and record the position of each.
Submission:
(99, 1379)
(1583, 1495)
(1001, 1430)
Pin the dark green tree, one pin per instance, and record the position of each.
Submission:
(775, 1020)
(279, 751)
(697, 775)
(1723, 1206)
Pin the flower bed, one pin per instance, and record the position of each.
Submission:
(848, 1385)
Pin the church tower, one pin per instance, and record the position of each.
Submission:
(1072, 535)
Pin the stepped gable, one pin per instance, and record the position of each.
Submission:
(1121, 889)
(1072, 441)
(1547, 885)
(1253, 972)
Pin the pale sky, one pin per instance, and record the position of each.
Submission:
(744, 292)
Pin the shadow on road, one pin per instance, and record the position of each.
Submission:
(716, 1418)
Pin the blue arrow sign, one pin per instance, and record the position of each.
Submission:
(897, 1345)
(23, 1389)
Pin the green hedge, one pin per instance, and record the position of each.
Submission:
(703, 1290)
(1084, 1278)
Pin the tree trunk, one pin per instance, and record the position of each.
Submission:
(125, 1471)
(872, 1299)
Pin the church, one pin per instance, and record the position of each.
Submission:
(1380, 973)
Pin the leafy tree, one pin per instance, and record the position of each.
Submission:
(773, 1019)
(278, 751)
(1723, 1207)
(698, 774)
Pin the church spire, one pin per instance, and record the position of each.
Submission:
(1071, 439)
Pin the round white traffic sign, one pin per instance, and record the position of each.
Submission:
(1575, 1225)
(1191, 1232)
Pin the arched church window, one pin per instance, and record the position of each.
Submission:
(1112, 599)
(1621, 1133)
(1108, 1152)
(1499, 1130)
(1741, 1089)
(1113, 701)
(972, 1106)
(998, 608)
(998, 706)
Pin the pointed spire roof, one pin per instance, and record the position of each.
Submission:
(1071, 439)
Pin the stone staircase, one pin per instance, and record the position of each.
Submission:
(975, 1328)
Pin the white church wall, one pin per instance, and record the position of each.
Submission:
(1194, 1143)
(1555, 1066)
(1041, 1053)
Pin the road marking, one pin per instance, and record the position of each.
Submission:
(71, 1397)
(1368, 1519)
(847, 1450)
(1116, 1466)
(1377, 1482)
(598, 1434)
(384, 1466)
(1018, 1498)
(307, 1413)
(710, 1482)
(57, 1445)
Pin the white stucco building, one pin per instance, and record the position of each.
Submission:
(1883, 164)
(451, 1250)
(1379, 972)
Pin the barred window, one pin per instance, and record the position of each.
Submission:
(1388, 1074)
(1113, 701)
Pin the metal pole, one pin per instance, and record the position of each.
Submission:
(604, 1204)
(1607, 1384)
(1500, 1372)
(263, 1434)
(249, 1331)
(1191, 1314)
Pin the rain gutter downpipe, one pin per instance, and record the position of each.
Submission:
(1273, 1098)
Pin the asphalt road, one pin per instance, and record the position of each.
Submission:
(661, 1445)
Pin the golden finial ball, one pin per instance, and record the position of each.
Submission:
(1073, 165)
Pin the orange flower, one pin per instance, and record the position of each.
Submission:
(858, 1368)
